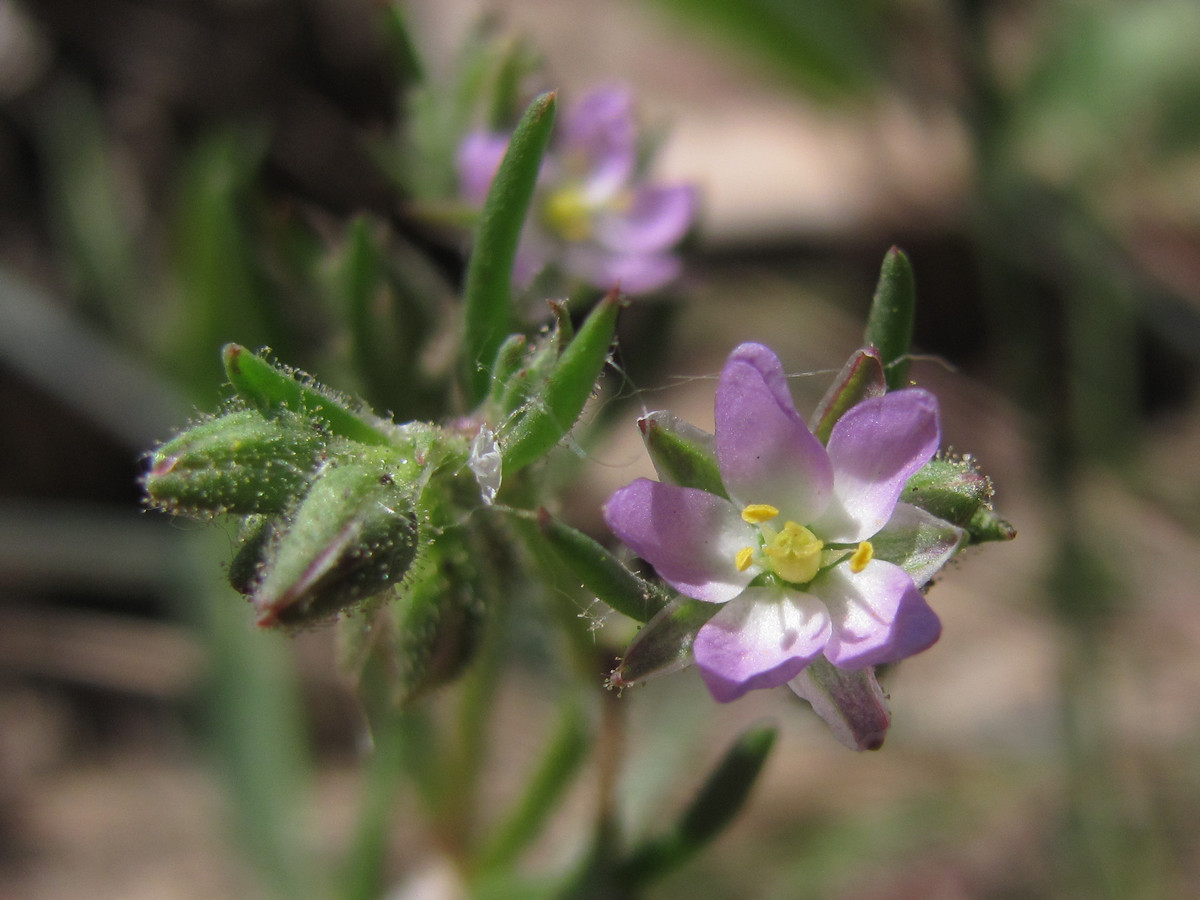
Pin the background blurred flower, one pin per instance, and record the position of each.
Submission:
(595, 216)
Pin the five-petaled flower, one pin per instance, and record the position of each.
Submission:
(791, 551)
(594, 216)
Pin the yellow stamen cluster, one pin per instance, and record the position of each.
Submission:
(795, 553)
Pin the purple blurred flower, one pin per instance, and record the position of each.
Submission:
(593, 215)
(792, 552)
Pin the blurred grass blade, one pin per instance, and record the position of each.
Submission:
(562, 758)
(220, 286)
(720, 799)
(488, 292)
(890, 322)
(828, 49)
(270, 389)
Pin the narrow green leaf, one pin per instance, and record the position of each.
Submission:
(890, 322)
(720, 799)
(270, 389)
(860, 379)
(599, 570)
(488, 291)
(570, 383)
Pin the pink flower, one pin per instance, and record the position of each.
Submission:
(594, 215)
(798, 550)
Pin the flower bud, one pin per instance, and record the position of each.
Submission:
(239, 463)
(954, 490)
(353, 536)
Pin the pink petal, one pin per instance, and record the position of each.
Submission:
(633, 273)
(878, 615)
(656, 219)
(765, 451)
(691, 537)
(599, 140)
(875, 448)
(760, 640)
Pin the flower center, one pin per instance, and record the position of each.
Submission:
(795, 553)
(567, 212)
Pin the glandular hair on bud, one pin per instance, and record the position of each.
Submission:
(353, 536)
(239, 463)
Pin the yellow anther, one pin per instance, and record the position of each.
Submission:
(744, 557)
(795, 553)
(863, 555)
(757, 513)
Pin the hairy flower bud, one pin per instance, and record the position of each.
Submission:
(953, 489)
(239, 463)
(354, 534)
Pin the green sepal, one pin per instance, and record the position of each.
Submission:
(665, 644)
(849, 701)
(918, 542)
(488, 289)
(239, 463)
(352, 537)
(890, 321)
(953, 489)
(271, 390)
(682, 453)
(245, 569)
(718, 801)
(599, 570)
(860, 379)
(549, 415)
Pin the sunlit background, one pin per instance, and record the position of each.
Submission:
(1038, 161)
